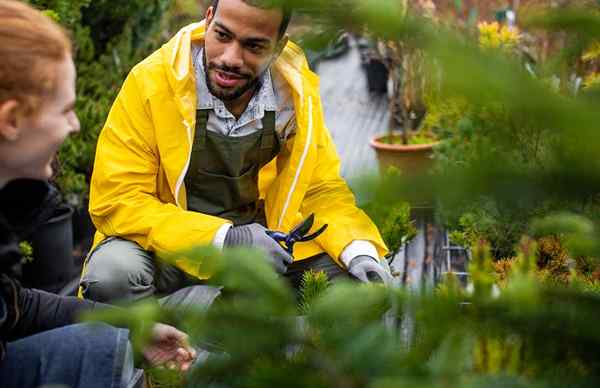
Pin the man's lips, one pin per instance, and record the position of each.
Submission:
(227, 80)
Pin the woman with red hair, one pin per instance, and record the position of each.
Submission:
(39, 344)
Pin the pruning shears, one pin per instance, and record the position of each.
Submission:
(298, 234)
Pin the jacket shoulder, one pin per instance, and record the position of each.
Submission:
(150, 75)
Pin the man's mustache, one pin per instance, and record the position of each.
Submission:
(231, 70)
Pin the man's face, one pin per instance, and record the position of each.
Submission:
(241, 43)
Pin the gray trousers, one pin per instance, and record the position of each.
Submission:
(120, 270)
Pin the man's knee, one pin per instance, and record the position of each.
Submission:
(118, 270)
(195, 297)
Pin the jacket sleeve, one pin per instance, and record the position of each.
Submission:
(124, 188)
(37, 311)
(332, 201)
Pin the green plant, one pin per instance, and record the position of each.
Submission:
(406, 63)
(398, 227)
(164, 378)
(109, 39)
(478, 133)
(552, 264)
(26, 251)
(528, 335)
(484, 221)
(591, 60)
(394, 223)
(313, 285)
(532, 333)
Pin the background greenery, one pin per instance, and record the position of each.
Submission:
(110, 38)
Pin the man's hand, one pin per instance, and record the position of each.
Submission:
(368, 270)
(169, 347)
(255, 235)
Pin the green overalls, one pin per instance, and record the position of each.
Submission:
(223, 181)
(223, 176)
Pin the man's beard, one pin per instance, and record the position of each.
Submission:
(228, 95)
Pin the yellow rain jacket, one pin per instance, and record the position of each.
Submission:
(143, 154)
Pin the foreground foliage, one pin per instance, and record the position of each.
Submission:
(518, 326)
(350, 335)
(109, 38)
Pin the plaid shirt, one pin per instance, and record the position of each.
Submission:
(273, 95)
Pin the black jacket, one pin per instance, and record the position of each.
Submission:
(24, 205)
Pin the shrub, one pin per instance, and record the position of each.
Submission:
(109, 39)
(394, 223)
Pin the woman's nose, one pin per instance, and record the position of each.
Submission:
(75, 124)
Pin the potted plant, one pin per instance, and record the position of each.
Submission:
(52, 265)
(410, 149)
(376, 70)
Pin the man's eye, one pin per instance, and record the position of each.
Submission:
(254, 47)
(221, 35)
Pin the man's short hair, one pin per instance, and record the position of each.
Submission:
(287, 12)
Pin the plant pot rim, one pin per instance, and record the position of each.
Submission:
(60, 213)
(378, 144)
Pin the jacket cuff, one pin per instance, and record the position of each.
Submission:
(219, 239)
(358, 248)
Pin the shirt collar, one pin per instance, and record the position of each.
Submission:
(263, 100)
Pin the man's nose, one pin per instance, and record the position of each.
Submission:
(233, 56)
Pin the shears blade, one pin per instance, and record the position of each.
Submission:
(297, 234)
(303, 228)
(314, 235)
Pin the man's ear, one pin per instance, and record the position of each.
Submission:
(9, 118)
(209, 15)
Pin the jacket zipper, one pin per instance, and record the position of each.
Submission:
(187, 164)
(300, 165)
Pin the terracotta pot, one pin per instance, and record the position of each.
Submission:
(411, 159)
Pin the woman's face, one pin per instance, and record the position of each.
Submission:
(28, 143)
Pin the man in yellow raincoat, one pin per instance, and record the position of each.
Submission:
(214, 139)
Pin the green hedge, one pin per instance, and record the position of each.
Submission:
(110, 38)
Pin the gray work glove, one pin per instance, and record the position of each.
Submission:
(255, 236)
(369, 270)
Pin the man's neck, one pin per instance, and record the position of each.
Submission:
(239, 105)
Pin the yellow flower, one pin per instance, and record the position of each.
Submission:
(592, 53)
(591, 80)
(493, 35)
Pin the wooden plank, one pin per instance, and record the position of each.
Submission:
(351, 113)
(353, 116)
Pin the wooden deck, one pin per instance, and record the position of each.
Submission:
(353, 117)
(351, 113)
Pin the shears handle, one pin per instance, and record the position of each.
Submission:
(282, 238)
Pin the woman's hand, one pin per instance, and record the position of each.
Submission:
(169, 347)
